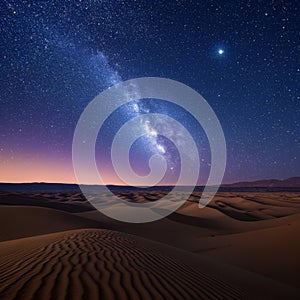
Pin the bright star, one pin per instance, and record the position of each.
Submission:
(220, 51)
(136, 107)
(153, 132)
(161, 149)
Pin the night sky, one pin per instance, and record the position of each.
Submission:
(241, 56)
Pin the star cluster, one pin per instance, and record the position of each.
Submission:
(242, 57)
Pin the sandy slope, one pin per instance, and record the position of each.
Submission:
(93, 264)
(88, 264)
(190, 227)
(23, 221)
(273, 252)
(230, 256)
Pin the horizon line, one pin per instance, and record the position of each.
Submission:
(162, 185)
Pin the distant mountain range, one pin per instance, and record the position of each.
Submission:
(290, 184)
(293, 182)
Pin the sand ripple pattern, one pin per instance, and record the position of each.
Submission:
(100, 264)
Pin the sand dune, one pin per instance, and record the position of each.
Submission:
(23, 221)
(190, 227)
(241, 246)
(70, 202)
(89, 264)
(243, 206)
(256, 206)
(94, 264)
(273, 252)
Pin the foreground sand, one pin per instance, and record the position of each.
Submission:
(242, 246)
(94, 264)
(88, 264)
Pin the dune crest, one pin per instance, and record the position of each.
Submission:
(93, 264)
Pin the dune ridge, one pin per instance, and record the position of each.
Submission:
(93, 264)
(25, 221)
(241, 246)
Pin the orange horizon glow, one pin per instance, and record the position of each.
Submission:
(30, 169)
(21, 169)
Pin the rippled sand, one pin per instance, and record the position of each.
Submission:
(241, 246)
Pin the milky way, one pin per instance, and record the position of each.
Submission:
(56, 56)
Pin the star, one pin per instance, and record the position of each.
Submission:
(81, 59)
(161, 148)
